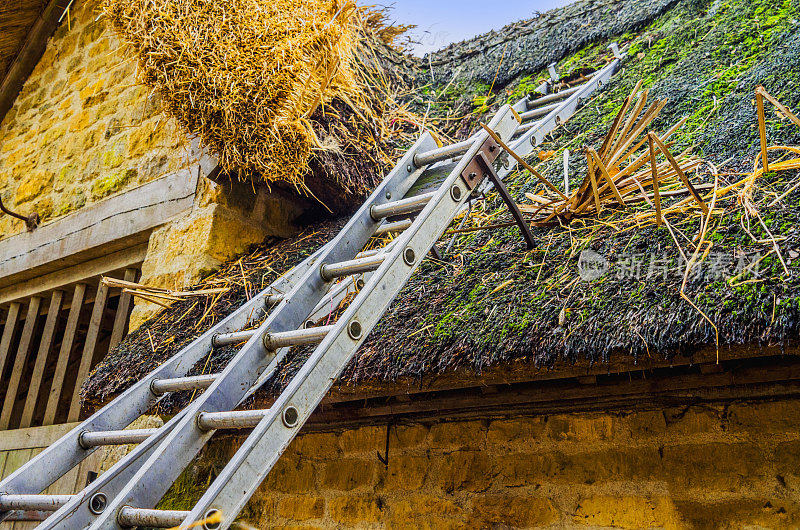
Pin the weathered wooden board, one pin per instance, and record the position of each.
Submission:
(120, 222)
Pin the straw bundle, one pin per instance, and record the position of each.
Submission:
(246, 76)
(625, 170)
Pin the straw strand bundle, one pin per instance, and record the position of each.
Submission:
(622, 171)
(246, 75)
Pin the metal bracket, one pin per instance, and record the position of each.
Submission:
(487, 170)
(555, 77)
(474, 173)
(31, 221)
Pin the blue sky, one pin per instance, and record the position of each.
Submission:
(440, 22)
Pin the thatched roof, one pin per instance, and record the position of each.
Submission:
(16, 19)
(494, 303)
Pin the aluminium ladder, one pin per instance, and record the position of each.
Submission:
(124, 496)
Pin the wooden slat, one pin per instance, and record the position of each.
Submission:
(3, 458)
(8, 334)
(123, 308)
(66, 277)
(41, 358)
(34, 436)
(63, 354)
(15, 460)
(19, 362)
(88, 351)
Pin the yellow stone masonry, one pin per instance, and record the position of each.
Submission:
(721, 466)
(81, 129)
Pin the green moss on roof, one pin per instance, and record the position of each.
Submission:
(494, 302)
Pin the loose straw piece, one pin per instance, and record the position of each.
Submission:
(677, 168)
(595, 192)
(654, 169)
(762, 129)
(604, 173)
(521, 161)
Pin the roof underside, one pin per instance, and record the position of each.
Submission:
(17, 17)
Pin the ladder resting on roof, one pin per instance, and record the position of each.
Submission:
(125, 495)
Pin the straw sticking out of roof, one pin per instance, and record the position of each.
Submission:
(246, 75)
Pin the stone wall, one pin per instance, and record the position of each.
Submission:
(702, 466)
(225, 220)
(81, 129)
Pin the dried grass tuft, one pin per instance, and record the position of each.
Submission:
(618, 174)
(246, 76)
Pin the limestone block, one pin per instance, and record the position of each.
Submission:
(514, 511)
(627, 512)
(350, 510)
(349, 474)
(300, 507)
(32, 186)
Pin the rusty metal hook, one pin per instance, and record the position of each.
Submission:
(31, 221)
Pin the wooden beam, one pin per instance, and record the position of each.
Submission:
(69, 276)
(123, 308)
(41, 358)
(34, 437)
(29, 54)
(88, 351)
(120, 222)
(8, 333)
(777, 377)
(19, 362)
(63, 354)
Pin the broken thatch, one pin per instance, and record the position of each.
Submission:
(274, 88)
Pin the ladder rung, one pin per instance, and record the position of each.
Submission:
(274, 340)
(298, 337)
(374, 251)
(225, 339)
(397, 226)
(442, 153)
(48, 503)
(191, 382)
(236, 419)
(156, 518)
(403, 206)
(539, 112)
(272, 299)
(89, 439)
(558, 96)
(348, 268)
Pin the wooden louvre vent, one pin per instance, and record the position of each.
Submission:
(50, 341)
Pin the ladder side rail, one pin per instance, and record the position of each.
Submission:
(160, 470)
(59, 458)
(248, 468)
(233, 487)
(124, 469)
(520, 105)
(534, 136)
